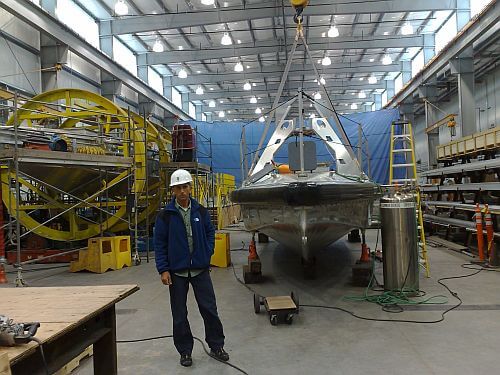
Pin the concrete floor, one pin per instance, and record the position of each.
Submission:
(319, 341)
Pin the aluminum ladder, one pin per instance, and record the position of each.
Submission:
(403, 171)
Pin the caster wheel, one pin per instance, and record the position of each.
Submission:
(273, 319)
(137, 261)
(289, 319)
(256, 303)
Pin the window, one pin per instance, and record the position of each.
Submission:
(124, 56)
(417, 63)
(176, 97)
(192, 110)
(384, 98)
(78, 20)
(203, 117)
(476, 6)
(446, 33)
(398, 83)
(155, 81)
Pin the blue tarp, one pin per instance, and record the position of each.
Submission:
(226, 142)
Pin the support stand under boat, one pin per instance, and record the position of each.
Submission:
(252, 272)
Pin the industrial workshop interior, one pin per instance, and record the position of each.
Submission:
(249, 187)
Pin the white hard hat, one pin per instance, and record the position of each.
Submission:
(180, 177)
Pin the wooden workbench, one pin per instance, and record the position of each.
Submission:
(71, 319)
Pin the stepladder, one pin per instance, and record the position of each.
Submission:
(403, 173)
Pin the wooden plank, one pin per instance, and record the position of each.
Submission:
(4, 365)
(57, 309)
(69, 367)
(280, 303)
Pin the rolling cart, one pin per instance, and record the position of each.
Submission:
(279, 308)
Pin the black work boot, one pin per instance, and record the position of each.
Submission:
(220, 354)
(186, 360)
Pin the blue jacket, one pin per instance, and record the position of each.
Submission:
(170, 239)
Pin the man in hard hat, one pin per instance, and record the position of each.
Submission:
(184, 240)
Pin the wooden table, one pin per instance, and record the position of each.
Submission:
(71, 319)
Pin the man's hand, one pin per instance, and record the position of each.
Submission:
(165, 278)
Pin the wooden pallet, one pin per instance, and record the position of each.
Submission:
(72, 365)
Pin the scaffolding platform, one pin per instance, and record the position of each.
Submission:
(32, 156)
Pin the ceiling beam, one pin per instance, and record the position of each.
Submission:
(277, 71)
(39, 19)
(485, 21)
(268, 9)
(250, 108)
(273, 46)
(271, 90)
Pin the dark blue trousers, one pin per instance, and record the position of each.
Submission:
(205, 297)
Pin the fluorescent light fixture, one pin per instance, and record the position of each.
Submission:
(407, 29)
(182, 73)
(333, 32)
(180, 48)
(254, 84)
(258, 111)
(372, 80)
(326, 61)
(238, 67)
(158, 46)
(238, 41)
(362, 95)
(322, 80)
(262, 119)
(372, 60)
(312, 115)
(207, 2)
(211, 103)
(199, 90)
(121, 9)
(247, 86)
(253, 100)
(317, 96)
(221, 114)
(226, 40)
(387, 60)
(354, 106)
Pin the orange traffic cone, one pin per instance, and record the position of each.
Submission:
(252, 250)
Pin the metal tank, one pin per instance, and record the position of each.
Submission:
(399, 241)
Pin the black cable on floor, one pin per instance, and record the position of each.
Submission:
(40, 345)
(440, 281)
(196, 338)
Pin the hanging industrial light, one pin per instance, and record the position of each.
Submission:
(317, 96)
(211, 103)
(312, 115)
(322, 81)
(333, 32)
(247, 86)
(158, 46)
(354, 106)
(326, 61)
(199, 90)
(253, 100)
(226, 40)
(207, 2)
(221, 114)
(262, 119)
(372, 80)
(387, 60)
(362, 95)
(258, 111)
(407, 29)
(121, 9)
(182, 73)
(238, 67)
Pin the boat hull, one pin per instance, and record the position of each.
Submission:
(306, 215)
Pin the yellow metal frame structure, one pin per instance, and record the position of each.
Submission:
(75, 108)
